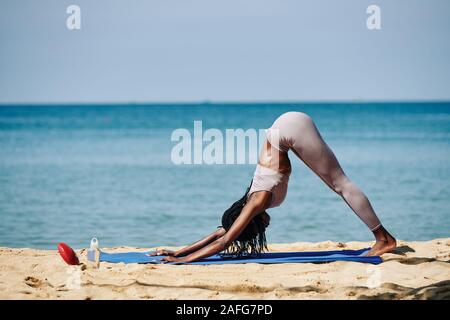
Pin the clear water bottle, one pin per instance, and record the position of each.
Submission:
(94, 253)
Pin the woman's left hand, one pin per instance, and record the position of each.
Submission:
(173, 259)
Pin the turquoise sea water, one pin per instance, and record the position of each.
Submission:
(68, 173)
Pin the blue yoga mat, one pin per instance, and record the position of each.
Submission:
(266, 258)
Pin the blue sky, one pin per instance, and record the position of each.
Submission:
(223, 50)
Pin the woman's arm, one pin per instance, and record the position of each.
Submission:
(192, 247)
(257, 203)
(200, 243)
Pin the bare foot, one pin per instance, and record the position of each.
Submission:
(384, 243)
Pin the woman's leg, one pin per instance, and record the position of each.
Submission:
(309, 146)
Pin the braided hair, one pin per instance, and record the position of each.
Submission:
(253, 238)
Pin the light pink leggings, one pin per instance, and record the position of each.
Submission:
(297, 132)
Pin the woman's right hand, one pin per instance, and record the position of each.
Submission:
(162, 252)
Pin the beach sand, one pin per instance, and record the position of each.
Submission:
(417, 270)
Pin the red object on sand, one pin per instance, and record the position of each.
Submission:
(67, 253)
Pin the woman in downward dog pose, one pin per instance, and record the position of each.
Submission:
(244, 223)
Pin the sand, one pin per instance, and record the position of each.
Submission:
(416, 270)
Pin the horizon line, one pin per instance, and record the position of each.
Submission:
(221, 102)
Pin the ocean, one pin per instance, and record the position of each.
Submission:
(72, 172)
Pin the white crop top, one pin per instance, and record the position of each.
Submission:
(266, 179)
